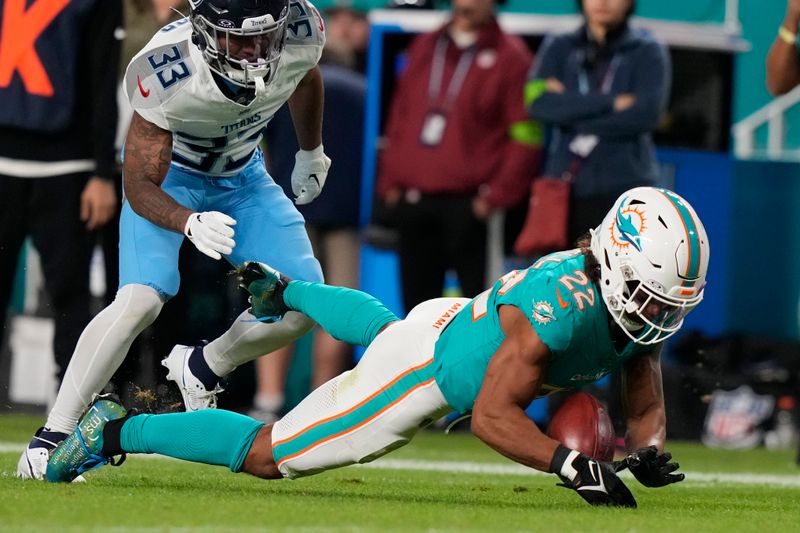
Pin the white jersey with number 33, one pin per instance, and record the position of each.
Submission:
(169, 84)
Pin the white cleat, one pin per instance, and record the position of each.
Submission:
(32, 463)
(195, 395)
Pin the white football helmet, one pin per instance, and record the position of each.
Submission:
(653, 253)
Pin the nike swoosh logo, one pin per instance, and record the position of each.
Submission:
(141, 89)
(561, 302)
(594, 471)
(597, 480)
(314, 177)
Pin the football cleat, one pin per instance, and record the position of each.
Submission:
(195, 394)
(33, 461)
(83, 449)
(266, 286)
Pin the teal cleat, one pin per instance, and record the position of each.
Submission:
(266, 286)
(83, 449)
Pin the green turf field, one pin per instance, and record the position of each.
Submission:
(725, 491)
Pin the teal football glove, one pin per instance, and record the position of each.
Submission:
(266, 286)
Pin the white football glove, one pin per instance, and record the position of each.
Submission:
(211, 233)
(309, 174)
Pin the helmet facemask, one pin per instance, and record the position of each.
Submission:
(241, 55)
(645, 313)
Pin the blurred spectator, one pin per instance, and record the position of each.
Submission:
(458, 146)
(58, 75)
(603, 86)
(347, 32)
(783, 61)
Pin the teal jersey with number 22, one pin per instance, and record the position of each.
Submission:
(566, 310)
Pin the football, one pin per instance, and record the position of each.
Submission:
(583, 424)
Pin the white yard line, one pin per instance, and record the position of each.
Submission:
(519, 470)
(498, 469)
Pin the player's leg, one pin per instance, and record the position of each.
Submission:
(210, 436)
(354, 418)
(349, 315)
(148, 276)
(371, 410)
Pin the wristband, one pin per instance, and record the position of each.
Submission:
(561, 463)
(310, 155)
(789, 37)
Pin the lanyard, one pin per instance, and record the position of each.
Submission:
(608, 79)
(437, 73)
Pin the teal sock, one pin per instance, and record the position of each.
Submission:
(349, 315)
(211, 436)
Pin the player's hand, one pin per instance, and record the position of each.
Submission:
(98, 202)
(595, 481)
(211, 233)
(309, 174)
(651, 469)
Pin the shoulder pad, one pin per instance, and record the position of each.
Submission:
(156, 74)
(305, 26)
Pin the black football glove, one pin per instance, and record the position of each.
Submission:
(651, 469)
(595, 481)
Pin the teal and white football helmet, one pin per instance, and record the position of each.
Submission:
(653, 253)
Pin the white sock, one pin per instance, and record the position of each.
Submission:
(100, 351)
(247, 340)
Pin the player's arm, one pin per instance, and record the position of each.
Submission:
(306, 106)
(148, 152)
(513, 379)
(783, 61)
(643, 396)
(311, 164)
